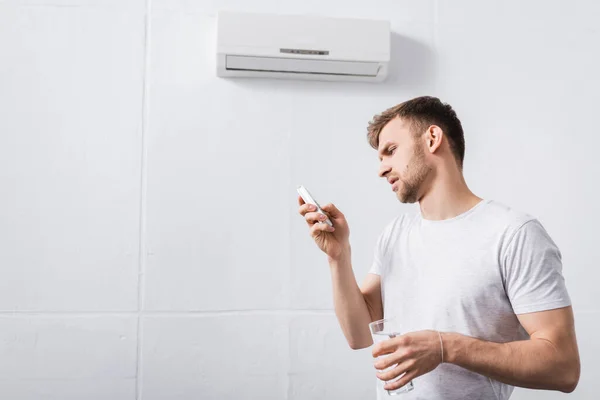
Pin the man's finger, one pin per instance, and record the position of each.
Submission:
(409, 376)
(392, 344)
(395, 371)
(317, 229)
(314, 217)
(305, 208)
(401, 355)
(386, 347)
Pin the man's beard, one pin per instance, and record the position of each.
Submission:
(415, 174)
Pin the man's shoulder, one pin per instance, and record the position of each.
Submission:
(506, 222)
(504, 216)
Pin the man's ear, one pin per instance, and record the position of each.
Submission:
(434, 137)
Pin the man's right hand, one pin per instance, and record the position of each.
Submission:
(332, 241)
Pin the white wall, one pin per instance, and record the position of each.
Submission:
(150, 245)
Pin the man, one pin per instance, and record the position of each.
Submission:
(477, 286)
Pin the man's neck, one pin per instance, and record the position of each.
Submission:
(447, 197)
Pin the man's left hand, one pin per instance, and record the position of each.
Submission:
(415, 353)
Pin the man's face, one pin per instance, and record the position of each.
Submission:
(403, 161)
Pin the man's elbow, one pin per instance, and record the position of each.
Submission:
(569, 387)
(359, 345)
(572, 378)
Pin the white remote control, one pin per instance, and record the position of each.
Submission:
(310, 200)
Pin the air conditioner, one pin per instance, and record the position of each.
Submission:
(302, 47)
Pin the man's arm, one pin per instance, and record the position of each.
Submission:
(355, 307)
(548, 360)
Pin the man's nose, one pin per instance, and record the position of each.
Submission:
(383, 170)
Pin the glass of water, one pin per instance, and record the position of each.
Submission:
(382, 330)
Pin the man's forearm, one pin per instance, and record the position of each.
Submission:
(350, 306)
(534, 363)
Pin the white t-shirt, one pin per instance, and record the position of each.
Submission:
(470, 274)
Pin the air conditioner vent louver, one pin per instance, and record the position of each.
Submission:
(301, 66)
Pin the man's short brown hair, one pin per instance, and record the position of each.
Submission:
(423, 112)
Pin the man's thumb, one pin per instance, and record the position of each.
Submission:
(331, 210)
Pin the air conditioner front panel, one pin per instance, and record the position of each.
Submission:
(301, 66)
(358, 39)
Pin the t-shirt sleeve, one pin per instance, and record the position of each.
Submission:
(381, 248)
(378, 256)
(533, 271)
